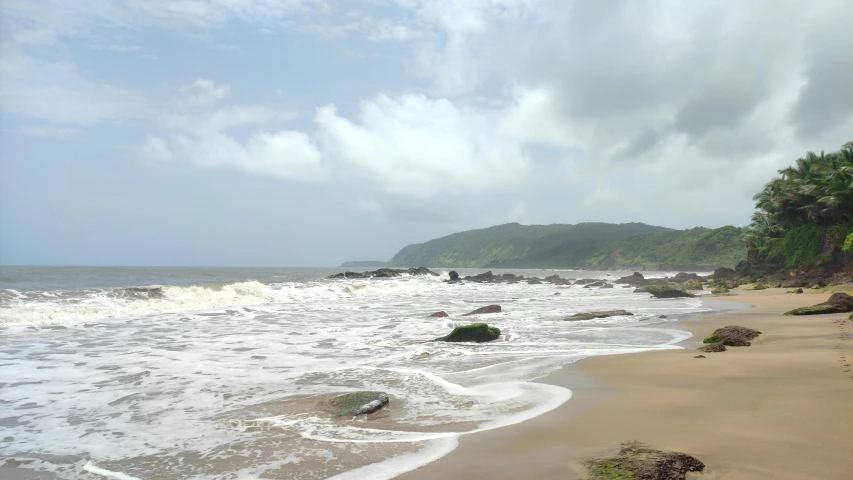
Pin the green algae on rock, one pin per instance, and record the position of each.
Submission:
(667, 290)
(476, 332)
(601, 314)
(733, 336)
(355, 403)
(837, 303)
(636, 461)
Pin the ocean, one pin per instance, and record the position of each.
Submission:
(216, 373)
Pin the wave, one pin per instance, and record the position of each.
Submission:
(69, 307)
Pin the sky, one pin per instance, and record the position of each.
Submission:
(311, 132)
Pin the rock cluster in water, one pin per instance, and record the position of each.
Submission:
(355, 403)
(477, 332)
(385, 273)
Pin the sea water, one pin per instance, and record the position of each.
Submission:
(177, 373)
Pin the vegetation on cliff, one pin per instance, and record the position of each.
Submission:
(592, 245)
(806, 215)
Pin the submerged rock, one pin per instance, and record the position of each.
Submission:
(355, 403)
(600, 314)
(477, 332)
(713, 347)
(486, 309)
(733, 336)
(638, 461)
(439, 315)
(837, 303)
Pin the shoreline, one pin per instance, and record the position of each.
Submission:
(778, 409)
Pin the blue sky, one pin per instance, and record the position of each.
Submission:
(309, 132)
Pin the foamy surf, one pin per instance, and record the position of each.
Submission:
(208, 381)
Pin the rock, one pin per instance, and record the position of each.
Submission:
(607, 285)
(439, 315)
(733, 336)
(683, 277)
(486, 309)
(667, 291)
(699, 356)
(720, 290)
(638, 461)
(534, 281)
(355, 403)
(597, 284)
(633, 279)
(712, 347)
(584, 281)
(477, 332)
(385, 273)
(601, 314)
(837, 303)
(482, 277)
(795, 283)
(454, 276)
(724, 274)
(663, 316)
(799, 290)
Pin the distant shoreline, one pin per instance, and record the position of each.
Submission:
(778, 409)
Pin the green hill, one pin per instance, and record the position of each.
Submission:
(583, 245)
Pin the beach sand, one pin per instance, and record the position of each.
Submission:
(780, 409)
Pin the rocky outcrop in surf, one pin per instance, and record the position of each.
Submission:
(355, 404)
(638, 461)
(601, 314)
(477, 332)
(385, 273)
(484, 310)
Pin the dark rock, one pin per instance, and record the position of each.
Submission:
(482, 277)
(733, 336)
(837, 303)
(477, 332)
(597, 284)
(683, 277)
(799, 290)
(713, 347)
(486, 309)
(385, 273)
(601, 314)
(534, 281)
(795, 283)
(635, 278)
(638, 461)
(354, 404)
(439, 315)
(454, 276)
(585, 281)
(663, 316)
(724, 274)
(607, 285)
(667, 291)
(699, 356)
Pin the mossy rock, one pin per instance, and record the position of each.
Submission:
(757, 286)
(601, 314)
(798, 290)
(477, 332)
(636, 461)
(355, 403)
(713, 347)
(668, 290)
(720, 290)
(732, 335)
(837, 303)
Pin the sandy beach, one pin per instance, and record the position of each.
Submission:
(779, 409)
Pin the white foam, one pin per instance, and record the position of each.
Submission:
(106, 473)
(404, 463)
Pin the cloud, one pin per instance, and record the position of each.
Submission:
(206, 137)
(418, 146)
(57, 93)
(205, 92)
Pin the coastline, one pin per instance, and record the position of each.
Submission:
(778, 409)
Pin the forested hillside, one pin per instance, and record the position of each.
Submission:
(592, 245)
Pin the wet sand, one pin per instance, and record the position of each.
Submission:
(780, 409)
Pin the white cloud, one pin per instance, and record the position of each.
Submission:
(204, 137)
(57, 93)
(419, 146)
(205, 92)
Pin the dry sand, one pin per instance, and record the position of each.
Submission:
(780, 409)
